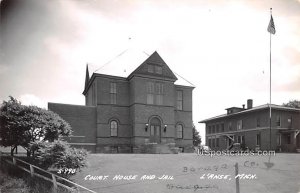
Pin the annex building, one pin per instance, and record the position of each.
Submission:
(140, 107)
(250, 128)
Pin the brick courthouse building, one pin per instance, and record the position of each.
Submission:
(132, 108)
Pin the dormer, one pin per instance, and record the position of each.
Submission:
(232, 110)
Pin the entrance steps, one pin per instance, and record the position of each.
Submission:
(155, 148)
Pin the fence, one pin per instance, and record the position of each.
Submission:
(43, 174)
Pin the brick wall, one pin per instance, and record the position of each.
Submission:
(82, 120)
(250, 123)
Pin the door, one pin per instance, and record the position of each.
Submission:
(155, 134)
(155, 130)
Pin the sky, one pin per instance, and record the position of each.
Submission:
(222, 47)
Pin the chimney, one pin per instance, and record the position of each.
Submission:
(243, 106)
(249, 104)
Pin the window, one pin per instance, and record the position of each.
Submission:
(154, 69)
(288, 139)
(209, 142)
(179, 99)
(213, 129)
(150, 68)
(159, 93)
(229, 126)
(208, 129)
(258, 122)
(222, 127)
(113, 93)
(150, 93)
(258, 139)
(158, 69)
(290, 122)
(113, 128)
(179, 129)
(241, 139)
(217, 128)
(278, 139)
(213, 142)
(156, 92)
(114, 149)
(239, 124)
(217, 142)
(278, 121)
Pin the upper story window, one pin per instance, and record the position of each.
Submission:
(239, 124)
(179, 100)
(150, 68)
(113, 128)
(155, 94)
(179, 129)
(159, 93)
(217, 128)
(209, 130)
(154, 69)
(150, 93)
(222, 127)
(290, 120)
(258, 122)
(229, 126)
(278, 121)
(113, 93)
(158, 69)
(213, 129)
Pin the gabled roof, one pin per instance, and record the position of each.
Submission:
(261, 107)
(154, 59)
(131, 61)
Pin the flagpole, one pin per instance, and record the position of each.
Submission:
(270, 87)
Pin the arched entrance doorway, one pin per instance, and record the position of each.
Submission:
(155, 130)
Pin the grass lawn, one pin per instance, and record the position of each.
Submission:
(275, 174)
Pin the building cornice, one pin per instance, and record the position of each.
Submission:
(254, 109)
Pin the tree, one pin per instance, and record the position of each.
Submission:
(22, 125)
(292, 103)
(196, 137)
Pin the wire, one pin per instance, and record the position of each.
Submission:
(112, 59)
(185, 79)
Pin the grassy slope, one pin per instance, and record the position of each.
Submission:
(12, 184)
(283, 176)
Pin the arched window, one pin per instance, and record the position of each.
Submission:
(113, 128)
(179, 129)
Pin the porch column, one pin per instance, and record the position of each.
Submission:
(294, 140)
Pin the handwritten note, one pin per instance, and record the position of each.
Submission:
(129, 177)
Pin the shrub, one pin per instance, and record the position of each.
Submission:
(60, 156)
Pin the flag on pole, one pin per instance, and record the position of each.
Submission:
(271, 27)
